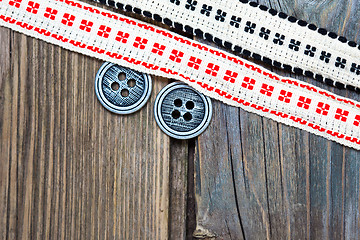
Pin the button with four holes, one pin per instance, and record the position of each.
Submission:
(122, 90)
(182, 112)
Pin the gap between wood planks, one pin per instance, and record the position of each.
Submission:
(182, 216)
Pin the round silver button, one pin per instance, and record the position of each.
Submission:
(182, 112)
(122, 90)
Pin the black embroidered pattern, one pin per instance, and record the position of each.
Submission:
(355, 68)
(264, 33)
(310, 51)
(191, 5)
(235, 21)
(250, 27)
(340, 62)
(177, 2)
(279, 39)
(294, 45)
(220, 15)
(206, 10)
(325, 56)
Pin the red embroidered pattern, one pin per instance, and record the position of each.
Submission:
(285, 96)
(323, 108)
(104, 31)
(122, 37)
(140, 42)
(68, 19)
(230, 76)
(177, 56)
(304, 102)
(267, 90)
(50, 13)
(86, 25)
(15, 3)
(158, 49)
(33, 7)
(204, 48)
(341, 114)
(248, 83)
(212, 69)
(194, 62)
(357, 120)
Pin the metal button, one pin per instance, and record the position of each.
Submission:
(122, 90)
(181, 112)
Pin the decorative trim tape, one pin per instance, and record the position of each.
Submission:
(112, 37)
(264, 34)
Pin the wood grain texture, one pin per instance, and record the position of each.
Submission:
(72, 170)
(179, 155)
(271, 181)
(69, 168)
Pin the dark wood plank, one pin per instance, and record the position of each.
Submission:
(5, 127)
(71, 169)
(287, 183)
(215, 191)
(179, 155)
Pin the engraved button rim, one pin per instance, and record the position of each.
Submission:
(118, 109)
(174, 133)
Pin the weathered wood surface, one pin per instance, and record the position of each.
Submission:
(72, 170)
(271, 181)
(69, 168)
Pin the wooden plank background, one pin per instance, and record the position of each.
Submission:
(72, 170)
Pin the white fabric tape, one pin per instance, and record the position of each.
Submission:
(254, 30)
(128, 42)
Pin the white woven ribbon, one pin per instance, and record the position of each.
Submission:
(112, 37)
(288, 42)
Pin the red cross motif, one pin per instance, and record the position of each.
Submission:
(357, 120)
(304, 102)
(68, 19)
(323, 108)
(341, 114)
(104, 31)
(285, 96)
(33, 7)
(50, 13)
(140, 42)
(230, 76)
(158, 49)
(86, 25)
(122, 37)
(194, 62)
(266, 89)
(176, 56)
(248, 83)
(212, 69)
(15, 3)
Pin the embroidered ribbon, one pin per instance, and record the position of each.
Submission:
(262, 33)
(112, 37)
